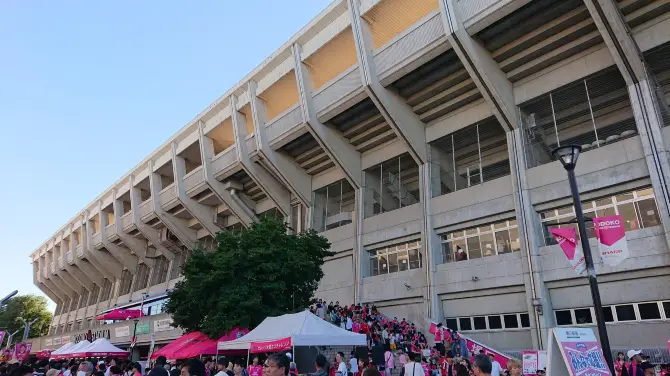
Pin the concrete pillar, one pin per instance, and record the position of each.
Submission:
(104, 263)
(274, 189)
(73, 271)
(175, 225)
(85, 267)
(282, 166)
(148, 232)
(137, 246)
(530, 235)
(123, 254)
(340, 151)
(237, 206)
(484, 71)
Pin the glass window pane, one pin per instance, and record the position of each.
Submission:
(488, 248)
(563, 317)
(452, 324)
(471, 231)
(495, 322)
(604, 202)
(548, 214)
(629, 215)
(383, 265)
(666, 308)
(625, 312)
(565, 211)
(465, 323)
(525, 320)
(500, 225)
(403, 261)
(459, 248)
(645, 192)
(515, 244)
(583, 316)
(479, 322)
(605, 212)
(448, 253)
(624, 196)
(648, 212)
(414, 259)
(374, 266)
(503, 242)
(607, 313)
(511, 321)
(393, 262)
(474, 248)
(649, 311)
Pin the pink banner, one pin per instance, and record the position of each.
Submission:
(612, 238)
(475, 348)
(6, 354)
(270, 346)
(567, 240)
(22, 350)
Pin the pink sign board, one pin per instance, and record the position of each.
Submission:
(270, 346)
(567, 240)
(22, 350)
(612, 238)
(475, 348)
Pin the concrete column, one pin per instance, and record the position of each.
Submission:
(484, 71)
(73, 271)
(203, 213)
(86, 268)
(104, 263)
(530, 235)
(237, 206)
(137, 246)
(360, 259)
(432, 245)
(175, 225)
(340, 151)
(282, 166)
(123, 254)
(148, 232)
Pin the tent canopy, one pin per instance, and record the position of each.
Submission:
(101, 347)
(60, 350)
(194, 344)
(303, 329)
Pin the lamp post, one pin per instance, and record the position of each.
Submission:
(568, 156)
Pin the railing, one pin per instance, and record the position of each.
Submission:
(127, 220)
(96, 238)
(80, 251)
(168, 194)
(145, 208)
(395, 54)
(284, 122)
(251, 144)
(224, 160)
(337, 90)
(193, 178)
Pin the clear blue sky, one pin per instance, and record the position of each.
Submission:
(89, 88)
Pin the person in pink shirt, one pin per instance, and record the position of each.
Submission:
(389, 361)
(255, 369)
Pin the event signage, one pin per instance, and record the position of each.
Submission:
(65, 339)
(575, 352)
(476, 348)
(122, 331)
(612, 239)
(270, 346)
(143, 328)
(22, 350)
(6, 354)
(48, 342)
(163, 325)
(532, 361)
(567, 240)
(91, 336)
(56, 341)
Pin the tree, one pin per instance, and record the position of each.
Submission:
(29, 307)
(253, 273)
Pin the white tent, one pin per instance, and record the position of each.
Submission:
(78, 346)
(60, 350)
(303, 329)
(101, 347)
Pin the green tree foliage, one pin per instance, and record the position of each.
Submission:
(30, 307)
(254, 273)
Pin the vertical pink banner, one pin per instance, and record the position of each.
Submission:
(612, 239)
(567, 240)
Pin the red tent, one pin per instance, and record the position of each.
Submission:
(120, 314)
(195, 344)
(178, 344)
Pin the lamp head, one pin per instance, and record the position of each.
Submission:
(568, 155)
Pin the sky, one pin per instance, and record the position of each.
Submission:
(90, 88)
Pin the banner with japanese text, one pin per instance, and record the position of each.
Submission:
(270, 346)
(612, 239)
(567, 240)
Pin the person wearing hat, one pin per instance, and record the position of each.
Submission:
(647, 368)
(635, 357)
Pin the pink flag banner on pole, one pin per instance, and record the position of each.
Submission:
(612, 239)
(22, 350)
(567, 240)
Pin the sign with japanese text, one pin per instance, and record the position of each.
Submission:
(575, 352)
(567, 240)
(612, 239)
(270, 346)
(163, 325)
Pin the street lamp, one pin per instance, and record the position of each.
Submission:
(568, 156)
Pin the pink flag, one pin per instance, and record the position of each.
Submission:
(567, 240)
(612, 238)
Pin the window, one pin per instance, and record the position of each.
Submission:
(511, 321)
(154, 307)
(525, 320)
(625, 312)
(391, 185)
(607, 313)
(563, 317)
(637, 209)
(126, 282)
(649, 311)
(465, 323)
(470, 156)
(142, 277)
(479, 322)
(577, 113)
(495, 322)
(488, 240)
(452, 324)
(178, 263)
(106, 290)
(334, 206)
(666, 309)
(583, 316)
(298, 216)
(160, 271)
(396, 258)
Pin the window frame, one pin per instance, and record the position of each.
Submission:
(501, 317)
(463, 236)
(665, 316)
(384, 252)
